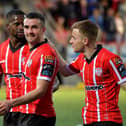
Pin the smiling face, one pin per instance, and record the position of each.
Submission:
(15, 26)
(77, 41)
(33, 31)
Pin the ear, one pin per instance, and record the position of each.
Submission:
(85, 40)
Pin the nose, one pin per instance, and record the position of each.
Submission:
(29, 30)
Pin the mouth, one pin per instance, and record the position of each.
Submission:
(30, 37)
(20, 33)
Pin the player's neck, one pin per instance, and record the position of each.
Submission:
(89, 51)
(15, 43)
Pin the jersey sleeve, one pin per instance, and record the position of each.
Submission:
(75, 65)
(117, 69)
(47, 67)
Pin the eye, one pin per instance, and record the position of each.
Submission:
(25, 26)
(34, 26)
(17, 24)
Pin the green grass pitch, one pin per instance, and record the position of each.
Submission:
(68, 102)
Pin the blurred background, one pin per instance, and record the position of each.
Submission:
(110, 15)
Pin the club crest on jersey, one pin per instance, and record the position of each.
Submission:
(98, 71)
(29, 62)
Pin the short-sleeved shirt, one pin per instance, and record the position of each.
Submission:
(41, 63)
(11, 65)
(102, 75)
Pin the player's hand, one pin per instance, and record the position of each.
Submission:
(4, 107)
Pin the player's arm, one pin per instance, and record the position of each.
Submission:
(42, 86)
(63, 65)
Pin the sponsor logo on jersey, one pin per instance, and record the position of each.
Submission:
(47, 70)
(14, 75)
(49, 60)
(122, 70)
(98, 71)
(97, 87)
(123, 73)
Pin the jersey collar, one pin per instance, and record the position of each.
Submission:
(37, 45)
(99, 47)
(15, 49)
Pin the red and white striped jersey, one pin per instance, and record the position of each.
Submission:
(41, 63)
(102, 75)
(11, 65)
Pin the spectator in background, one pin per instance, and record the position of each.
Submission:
(97, 18)
(82, 10)
(91, 5)
(110, 26)
(44, 5)
(119, 27)
(41, 4)
(115, 4)
(2, 29)
(122, 8)
(104, 6)
(122, 11)
(61, 35)
(67, 9)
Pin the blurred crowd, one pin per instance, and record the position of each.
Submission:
(108, 14)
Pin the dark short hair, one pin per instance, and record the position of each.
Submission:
(13, 12)
(35, 15)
